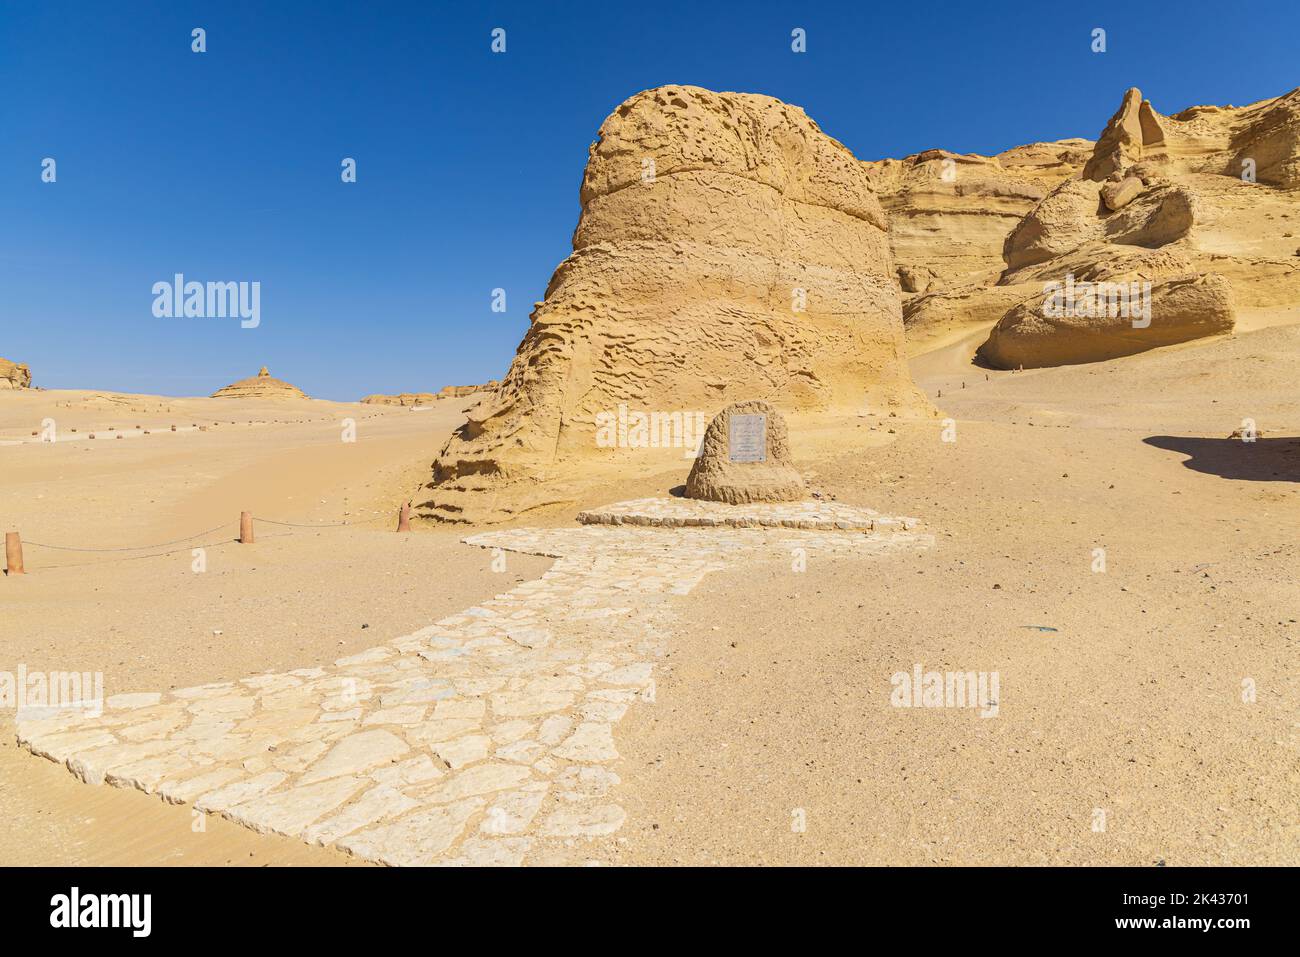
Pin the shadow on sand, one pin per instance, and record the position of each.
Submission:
(1264, 460)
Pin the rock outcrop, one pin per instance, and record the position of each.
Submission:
(260, 386)
(950, 212)
(1094, 327)
(402, 399)
(458, 391)
(727, 249)
(722, 473)
(1209, 190)
(14, 375)
(1261, 140)
(424, 398)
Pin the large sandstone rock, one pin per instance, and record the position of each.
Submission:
(1067, 218)
(727, 249)
(1120, 192)
(14, 375)
(1156, 217)
(715, 477)
(261, 386)
(1181, 309)
(1135, 133)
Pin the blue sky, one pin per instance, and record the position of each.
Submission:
(225, 165)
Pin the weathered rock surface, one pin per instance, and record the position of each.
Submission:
(950, 212)
(1207, 190)
(1204, 139)
(1119, 193)
(261, 386)
(1181, 309)
(727, 249)
(14, 375)
(1135, 133)
(716, 478)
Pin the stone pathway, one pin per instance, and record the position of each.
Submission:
(486, 738)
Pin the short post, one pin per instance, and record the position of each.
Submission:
(404, 518)
(245, 528)
(14, 554)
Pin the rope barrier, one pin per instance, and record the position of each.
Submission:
(190, 538)
(174, 551)
(130, 548)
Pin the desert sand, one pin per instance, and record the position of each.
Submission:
(538, 675)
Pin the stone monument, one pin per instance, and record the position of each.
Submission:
(745, 457)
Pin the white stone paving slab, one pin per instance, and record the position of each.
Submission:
(487, 738)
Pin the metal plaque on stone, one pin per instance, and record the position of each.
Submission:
(747, 438)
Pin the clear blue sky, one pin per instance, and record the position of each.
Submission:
(225, 165)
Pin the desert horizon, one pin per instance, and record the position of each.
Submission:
(827, 506)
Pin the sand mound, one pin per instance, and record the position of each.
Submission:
(738, 465)
(260, 386)
(727, 249)
(14, 375)
(1181, 309)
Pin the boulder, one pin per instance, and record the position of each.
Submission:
(745, 457)
(1154, 218)
(1065, 219)
(1181, 309)
(1117, 194)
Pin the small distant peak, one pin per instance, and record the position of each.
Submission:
(263, 372)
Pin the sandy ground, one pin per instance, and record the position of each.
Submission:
(772, 738)
(775, 708)
(298, 597)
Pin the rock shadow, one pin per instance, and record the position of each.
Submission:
(1264, 460)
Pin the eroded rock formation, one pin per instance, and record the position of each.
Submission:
(14, 375)
(727, 249)
(1205, 192)
(1035, 334)
(261, 386)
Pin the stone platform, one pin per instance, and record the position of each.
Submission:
(813, 514)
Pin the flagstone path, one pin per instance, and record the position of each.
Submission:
(487, 738)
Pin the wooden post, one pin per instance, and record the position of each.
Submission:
(245, 528)
(404, 518)
(14, 554)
